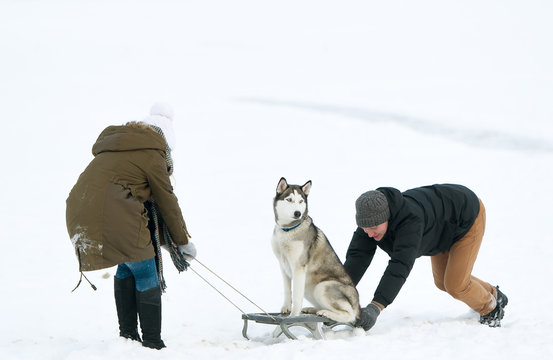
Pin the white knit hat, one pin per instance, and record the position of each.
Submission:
(161, 115)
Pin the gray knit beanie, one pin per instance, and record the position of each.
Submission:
(372, 209)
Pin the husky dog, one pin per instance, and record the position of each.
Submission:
(309, 265)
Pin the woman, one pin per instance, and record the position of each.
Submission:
(107, 219)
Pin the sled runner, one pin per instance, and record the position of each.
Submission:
(284, 322)
(311, 322)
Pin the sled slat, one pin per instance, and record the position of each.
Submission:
(311, 322)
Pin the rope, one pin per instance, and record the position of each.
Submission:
(232, 287)
(220, 293)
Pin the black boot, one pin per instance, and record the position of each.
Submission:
(125, 302)
(493, 319)
(502, 299)
(149, 310)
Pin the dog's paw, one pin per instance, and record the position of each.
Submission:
(285, 309)
(324, 313)
(309, 310)
(295, 312)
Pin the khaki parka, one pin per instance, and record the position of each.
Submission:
(106, 218)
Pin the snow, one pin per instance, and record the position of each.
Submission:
(351, 95)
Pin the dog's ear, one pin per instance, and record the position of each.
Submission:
(306, 187)
(282, 185)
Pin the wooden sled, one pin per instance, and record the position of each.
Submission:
(311, 322)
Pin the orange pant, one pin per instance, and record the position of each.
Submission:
(452, 270)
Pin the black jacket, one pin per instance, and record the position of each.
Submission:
(423, 221)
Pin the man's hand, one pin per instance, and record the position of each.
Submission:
(368, 316)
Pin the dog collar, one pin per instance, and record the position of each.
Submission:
(291, 228)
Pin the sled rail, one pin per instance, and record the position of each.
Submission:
(313, 323)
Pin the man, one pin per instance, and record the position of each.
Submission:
(445, 222)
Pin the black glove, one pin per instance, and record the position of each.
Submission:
(368, 316)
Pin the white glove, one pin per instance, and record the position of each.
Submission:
(188, 250)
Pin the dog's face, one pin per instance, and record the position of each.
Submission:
(290, 203)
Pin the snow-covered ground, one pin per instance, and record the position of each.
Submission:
(349, 94)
